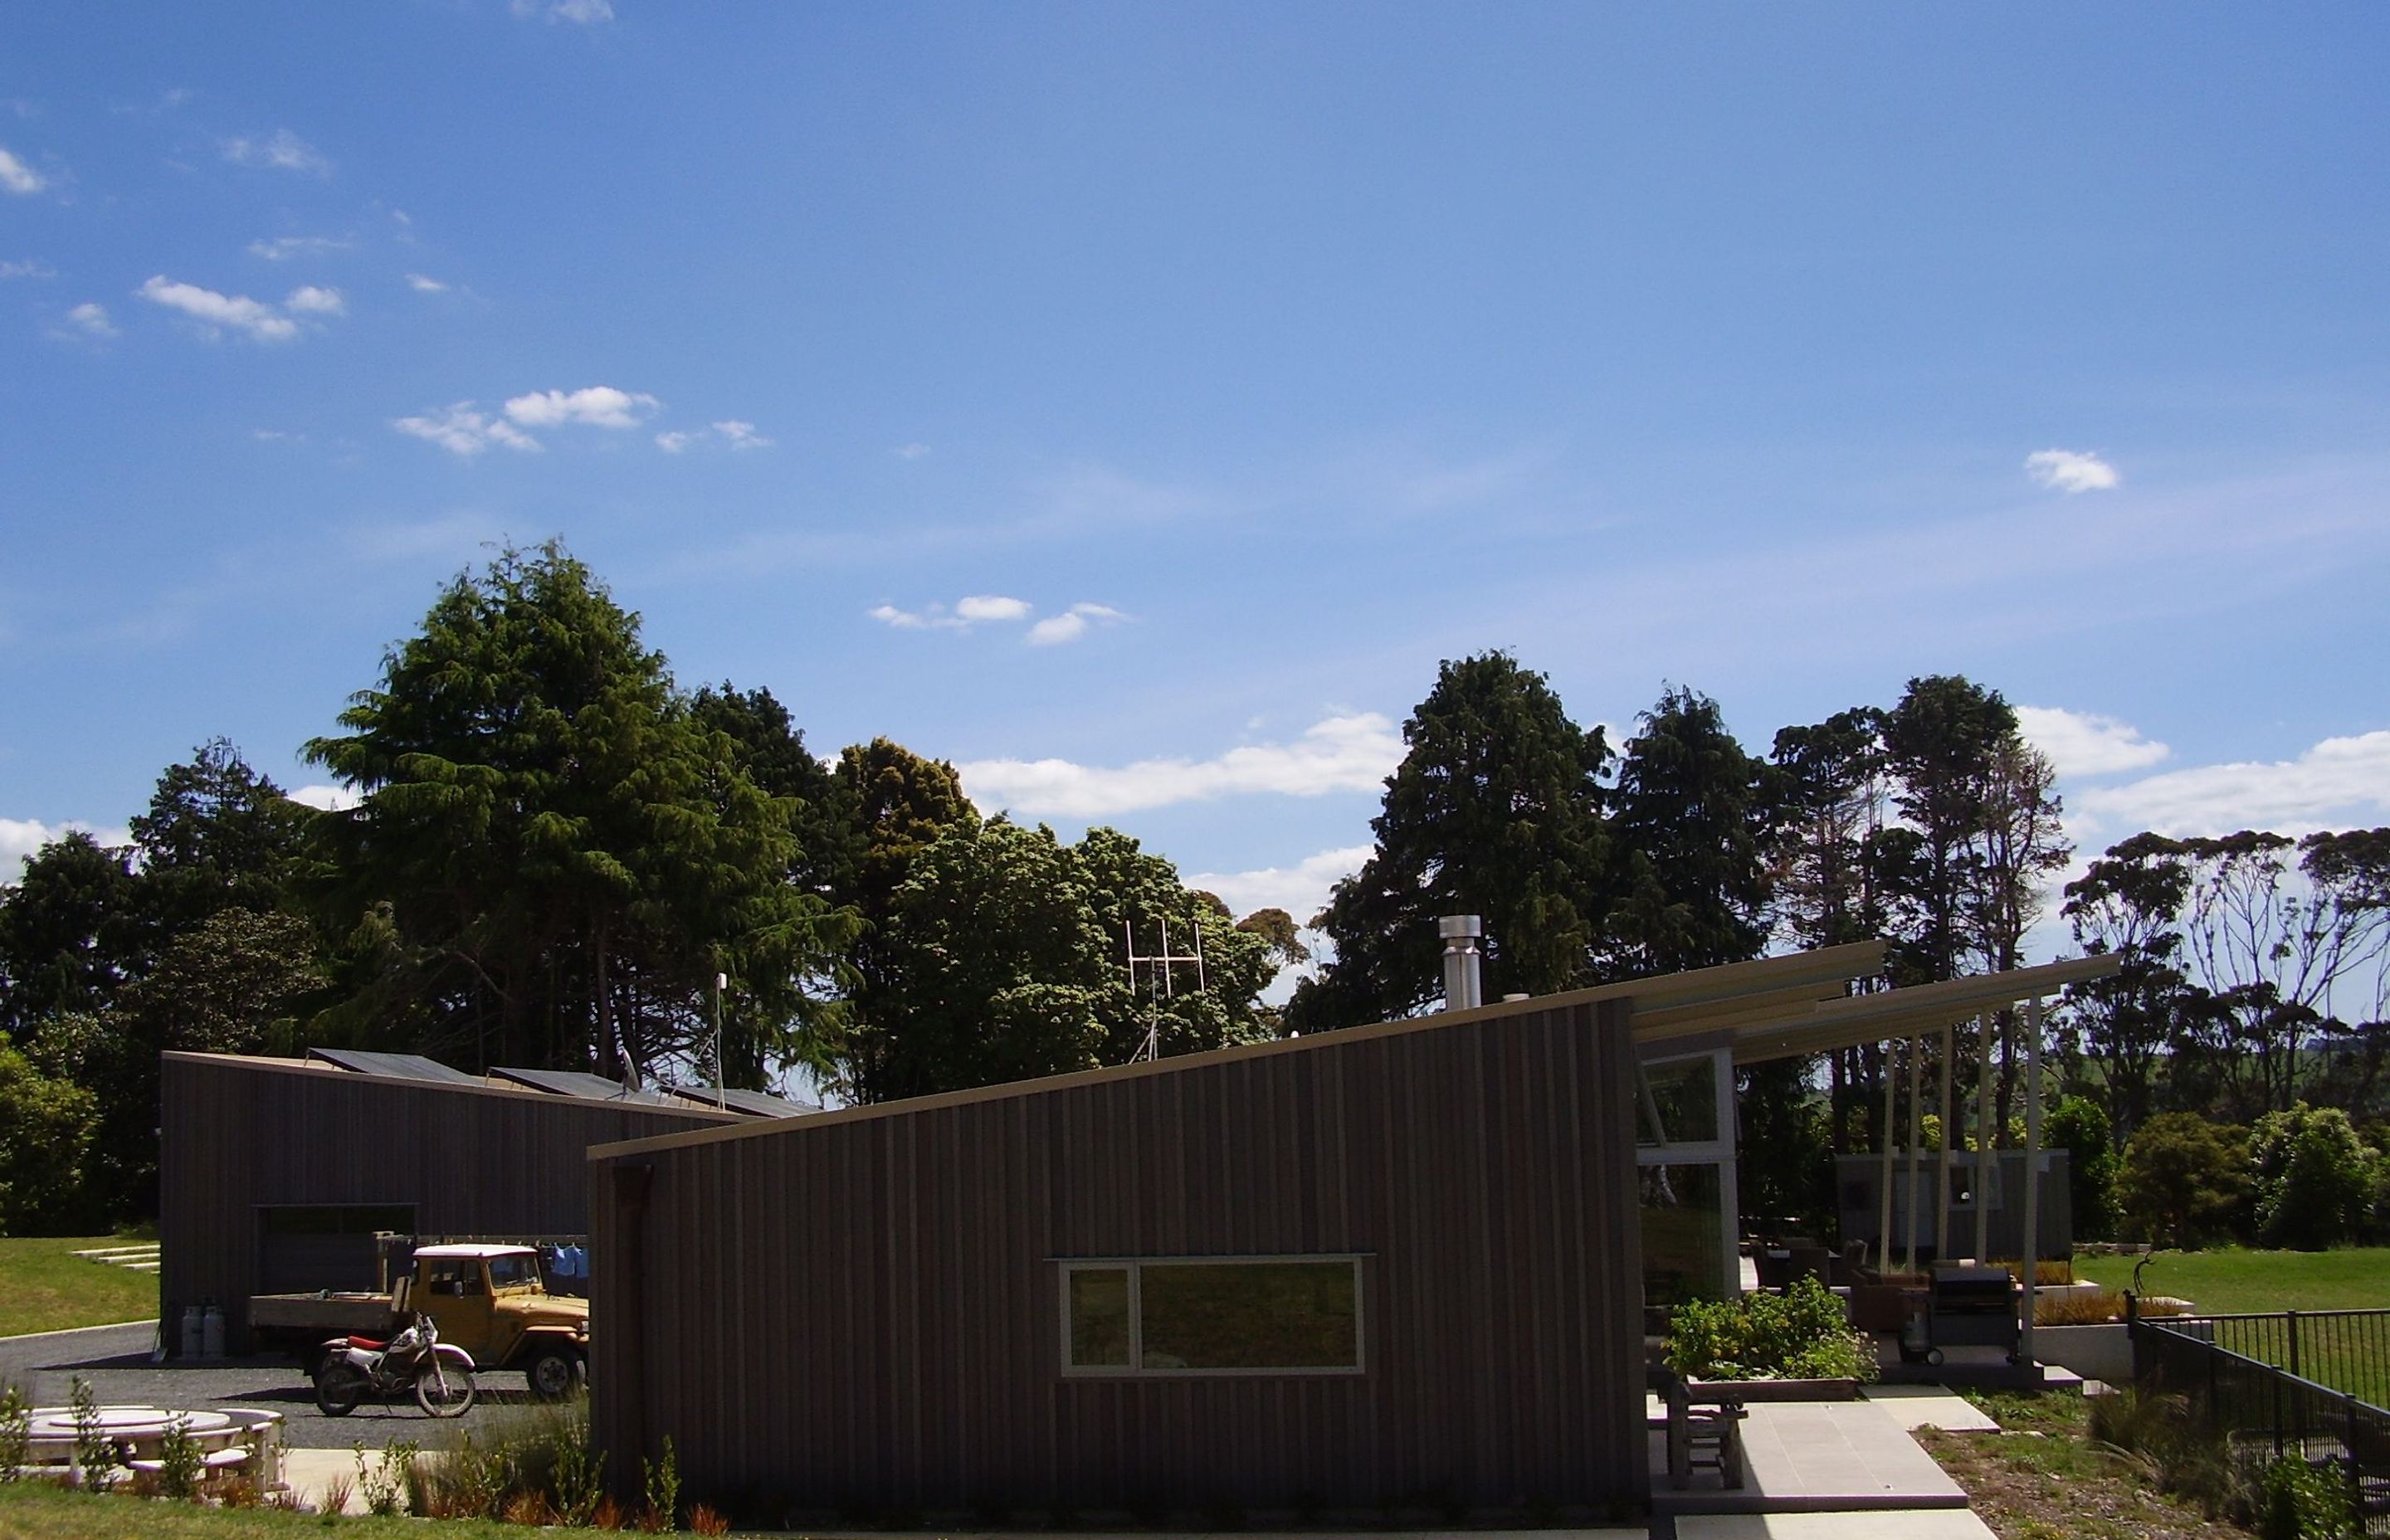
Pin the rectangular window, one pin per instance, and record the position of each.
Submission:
(1213, 1316)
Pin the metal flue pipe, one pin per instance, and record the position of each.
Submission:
(1464, 988)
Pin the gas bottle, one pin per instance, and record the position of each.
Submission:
(211, 1332)
(190, 1348)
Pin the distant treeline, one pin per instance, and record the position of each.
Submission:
(550, 849)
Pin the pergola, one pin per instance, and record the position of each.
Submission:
(1783, 1007)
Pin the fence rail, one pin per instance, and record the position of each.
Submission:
(2265, 1408)
(2348, 1350)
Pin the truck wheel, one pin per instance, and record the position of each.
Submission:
(339, 1385)
(551, 1373)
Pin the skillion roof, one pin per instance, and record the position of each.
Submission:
(1774, 1007)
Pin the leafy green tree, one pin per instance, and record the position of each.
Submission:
(217, 835)
(1279, 932)
(2129, 904)
(1692, 818)
(2080, 1126)
(2184, 1178)
(1837, 862)
(46, 1127)
(1941, 741)
(565, 854)
(990, 976)
(1005, 957)
(771, 748)
(71, 932)
(1496, 809)
(237, 982)
(2314, 1178)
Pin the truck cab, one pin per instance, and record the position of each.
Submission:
(489, 1300)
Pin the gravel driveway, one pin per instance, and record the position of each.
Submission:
(116, 1361)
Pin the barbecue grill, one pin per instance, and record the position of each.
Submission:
(1970, 1307)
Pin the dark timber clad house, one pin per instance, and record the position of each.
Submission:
(1394, 1264)
(1397, 1267)
(273, 1173)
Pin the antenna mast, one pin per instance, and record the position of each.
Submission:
(1158, 980)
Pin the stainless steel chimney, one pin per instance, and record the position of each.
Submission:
(1463, 989)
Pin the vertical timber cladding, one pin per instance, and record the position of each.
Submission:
(238, 1135)
(862, 1315)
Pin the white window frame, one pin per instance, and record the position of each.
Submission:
(1720, 1152)
(1136, 1268)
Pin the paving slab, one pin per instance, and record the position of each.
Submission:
(1915, 1406)
(1815, 1457)
(1935, 1523)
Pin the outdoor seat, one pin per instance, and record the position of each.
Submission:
(215, 1459)
(1705, 1434)
(366, 1344)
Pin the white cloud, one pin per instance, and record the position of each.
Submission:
(2071, 470)
(912, 451)
(280, 150)
(312, 301)
(460, 430)
(27, 270)
(585, 12)
(284, 248)
(2340, 781)
(20, 838)
(335, 798)
(18, 177)
(967, 612)
(992, 606)
(1301, 890)
(1354, 752)
(422, 284)
(89, 319)
(276, 435)
(742, 435)
(597, 405)
(2081, 743)
(1072, 624)
(733, 431)
(672, 442)
(257, 320)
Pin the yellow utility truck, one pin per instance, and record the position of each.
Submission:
(486, 1299)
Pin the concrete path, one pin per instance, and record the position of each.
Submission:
(1947, 1523)
(1915, 1406)
(1815, 1457)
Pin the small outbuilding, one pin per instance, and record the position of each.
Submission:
(275, 1174)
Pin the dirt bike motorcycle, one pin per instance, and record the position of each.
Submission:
(441, 1374)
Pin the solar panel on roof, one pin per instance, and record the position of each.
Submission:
(576, 1082)
(755, 1104)
(400, 1066)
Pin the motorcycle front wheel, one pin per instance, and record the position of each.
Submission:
(339, 1385)
(444, 1389)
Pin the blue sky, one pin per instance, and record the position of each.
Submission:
(1134, 403)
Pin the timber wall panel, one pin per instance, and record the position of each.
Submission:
(863, 1317)
(235, 1136)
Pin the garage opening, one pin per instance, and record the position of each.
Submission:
(304, 1246)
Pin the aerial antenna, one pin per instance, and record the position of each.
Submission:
(1159, 987)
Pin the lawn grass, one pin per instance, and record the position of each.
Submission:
(36, 1511)
(2231, 1281)
(43, 1287)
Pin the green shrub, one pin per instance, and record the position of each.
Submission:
(2183, 1178)
(94, 1451)
(2080, 1126)
(1801, 1334)
(2314, 1178)
(2298, 1501)
(180, 1463)
(16, 1431)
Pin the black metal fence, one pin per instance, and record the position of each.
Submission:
(2224, 1365)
